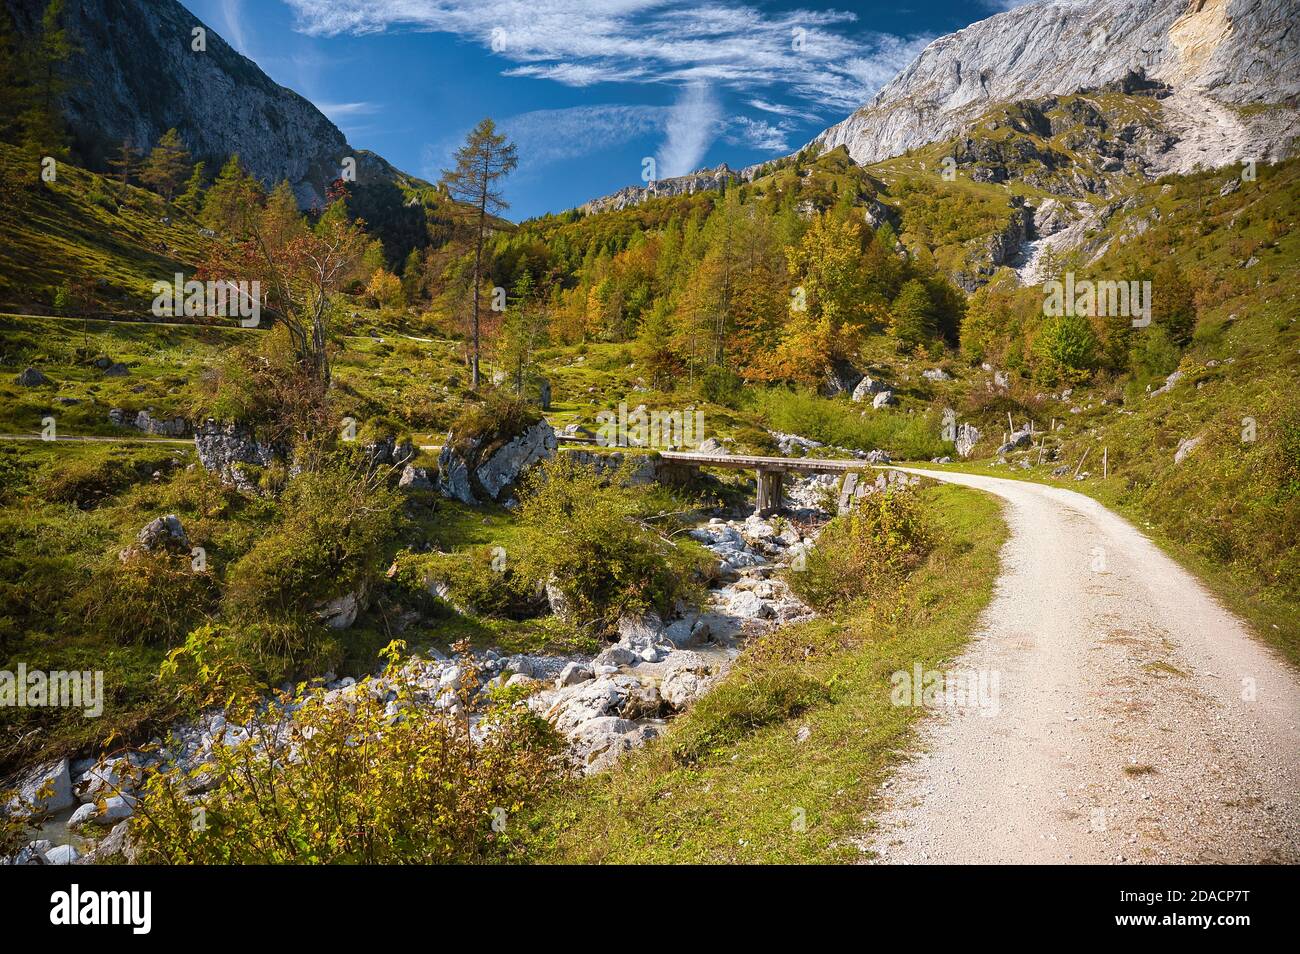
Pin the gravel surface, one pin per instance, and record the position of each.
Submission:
(1136, 720)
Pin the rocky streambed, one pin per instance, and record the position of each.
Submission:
(604, 705)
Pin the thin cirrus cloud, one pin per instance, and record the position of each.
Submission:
(688, 128)
(583, 42)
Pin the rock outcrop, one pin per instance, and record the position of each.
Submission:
(229, 450)
(1230, 52)
(482, 469)
(703, 180)
(137, 75)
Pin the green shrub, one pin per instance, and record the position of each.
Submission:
(738, 706)
(363, 788)
(481, 579)
(865, 554)
(495, 420)
(91, 475)
(148, 599)
(336, 523)
(904, 436)
(582, 531)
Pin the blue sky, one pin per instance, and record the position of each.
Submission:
(588, 89)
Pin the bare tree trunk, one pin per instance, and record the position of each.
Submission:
(478, 265)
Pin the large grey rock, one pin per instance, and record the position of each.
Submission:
(165, 427)
(598, 743)
(59, 778)
(62, 855)
(573, 674)
(340, 612)
(227, 448)
(476, 474)
(968, 436)
(883, 399)
(688, 678)
(867, 387)
(841, 378)
(1017, 440)
(415, 478)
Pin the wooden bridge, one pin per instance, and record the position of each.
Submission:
(771, 472)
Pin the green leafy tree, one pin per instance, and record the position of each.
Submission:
(523, 331)
(1173, 302)
(191, 200)
(164, 170)
(231, 199)
(1067, 349)
(913, 320)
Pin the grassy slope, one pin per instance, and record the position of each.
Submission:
(68, 231)
(725, 782)
(1231, 510)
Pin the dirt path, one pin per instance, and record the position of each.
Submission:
(1136, 719)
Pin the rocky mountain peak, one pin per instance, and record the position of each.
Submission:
(135, 74)
(1231, 52)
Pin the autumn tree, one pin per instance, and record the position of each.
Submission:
(485, 159)
(299, 268)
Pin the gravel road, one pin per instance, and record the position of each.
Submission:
(1136, 720)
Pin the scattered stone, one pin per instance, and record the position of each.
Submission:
(1169, 383)
(867, 387)
(415, 478)
(163, 533)
(57, 775)
(1186, 446)
(31, 378)
(883, 399)
(572, 674)
(62, 855)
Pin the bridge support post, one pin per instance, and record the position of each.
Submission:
(769, 492)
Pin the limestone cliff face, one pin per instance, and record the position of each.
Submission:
(703, 180)
(1233, 52)
(135, 75)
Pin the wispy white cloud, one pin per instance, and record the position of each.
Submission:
(760, 134)
(338, 111)
(693, 124)
(232, 27)
(545, 136)
(822, 56)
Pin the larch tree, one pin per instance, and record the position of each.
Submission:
(485, 159)
(168, 162)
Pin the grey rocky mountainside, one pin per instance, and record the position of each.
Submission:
(1229, 52)
(1225, 75)
(702, 180)
(134, 76)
